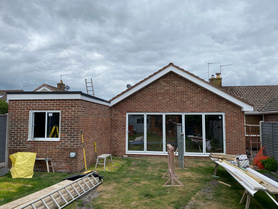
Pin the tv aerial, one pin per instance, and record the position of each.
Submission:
(211, 63)
(224, 66)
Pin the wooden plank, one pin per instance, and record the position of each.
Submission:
(247, 180)
(223, 156)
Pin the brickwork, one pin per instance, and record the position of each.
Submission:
(74, 118)
(95, 123)
(271, 117)
(173, 93)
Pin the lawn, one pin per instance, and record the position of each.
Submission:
(12, 189)
(137, 183)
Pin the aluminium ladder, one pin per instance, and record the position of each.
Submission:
(66, 194)
(90, 87)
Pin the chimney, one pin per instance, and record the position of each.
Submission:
(61, 85)
(216, 81)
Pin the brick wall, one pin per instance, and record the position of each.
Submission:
(271, 117)
(95, 124)
(173, 93)
(74, 118)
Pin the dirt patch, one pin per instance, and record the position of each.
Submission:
(203, 198)
(85, 201)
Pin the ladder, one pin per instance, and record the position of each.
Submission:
(67, 194)
(89, 87)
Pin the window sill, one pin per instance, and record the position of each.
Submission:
(45, 139)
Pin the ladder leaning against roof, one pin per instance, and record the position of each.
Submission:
(90, 87)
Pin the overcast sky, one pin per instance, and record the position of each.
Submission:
(121, 42)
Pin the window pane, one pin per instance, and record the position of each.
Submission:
(39, 124)
(154, 133)
(214, 133)
(193, 133)
(171, 129)
(136, 132)
(53, 125)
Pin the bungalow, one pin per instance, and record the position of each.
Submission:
(139, 121)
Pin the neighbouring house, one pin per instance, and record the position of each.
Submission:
(3, 93)
(138, 121)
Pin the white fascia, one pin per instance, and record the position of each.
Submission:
(243, 105)
(54, 97)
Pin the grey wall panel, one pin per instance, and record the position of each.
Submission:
(3, 128)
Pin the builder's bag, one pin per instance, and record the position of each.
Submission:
(23, 164)
(243, 161)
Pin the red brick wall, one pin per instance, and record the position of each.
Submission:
(74, 118)
(272, 117)
(173, 93)
(95, 123)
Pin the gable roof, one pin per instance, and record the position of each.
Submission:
(259, 96)
(187, 75)
(46, 87)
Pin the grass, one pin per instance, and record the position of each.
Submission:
(137, 183)
(12, 189)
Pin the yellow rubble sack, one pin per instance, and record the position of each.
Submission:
(22, 164)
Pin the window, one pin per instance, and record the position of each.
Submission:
(154, 133)
(44, 125)
(136, 132)
(203, 133)
(214, 133)
(193, 133)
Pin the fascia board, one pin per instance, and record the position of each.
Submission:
(53, 97)
(261, 113)
(42, 96)
(140, 86)
(244, 106)
(95, 101)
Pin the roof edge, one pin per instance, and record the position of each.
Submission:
(55, 95)
(187, 75)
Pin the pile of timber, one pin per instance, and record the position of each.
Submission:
(251, 180)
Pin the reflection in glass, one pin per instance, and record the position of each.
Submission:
(193, 133)
(154, 133)
(214, 133)
(171, 130)
(136, 132)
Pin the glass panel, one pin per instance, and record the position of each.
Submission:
(154, 133)
(171, 130)
(53, 125)
(39, 125)
(193, 133)
(214, 133)
(136, 132)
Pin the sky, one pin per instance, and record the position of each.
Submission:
(122, 42)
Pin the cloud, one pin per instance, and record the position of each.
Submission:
(122, 42)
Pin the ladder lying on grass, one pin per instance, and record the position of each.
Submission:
(67, 194)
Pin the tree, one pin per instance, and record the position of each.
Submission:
(3, 107)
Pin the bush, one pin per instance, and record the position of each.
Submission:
(270, 164)
(3, 107)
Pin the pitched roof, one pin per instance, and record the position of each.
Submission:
(258, 96)
(271, 106)
(46, 87)
(3, 93)
(187, 75)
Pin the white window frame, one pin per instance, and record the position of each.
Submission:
(31, 125)
(164, 152)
